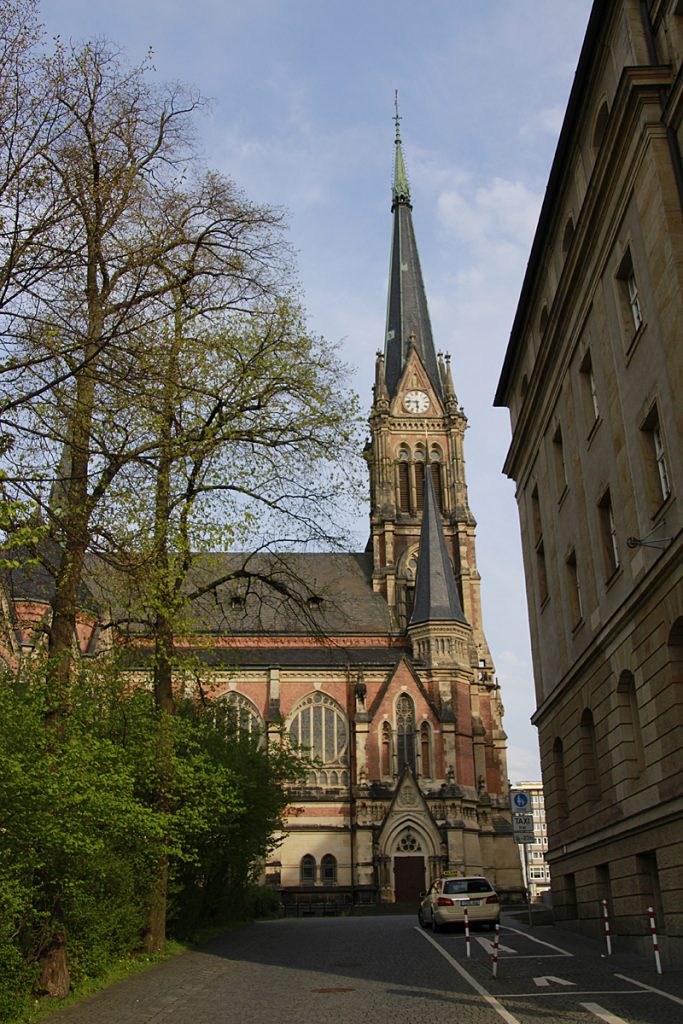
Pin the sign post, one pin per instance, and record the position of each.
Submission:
(523, 830)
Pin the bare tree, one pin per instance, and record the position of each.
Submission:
(115, 168)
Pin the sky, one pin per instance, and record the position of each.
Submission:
(301, 117)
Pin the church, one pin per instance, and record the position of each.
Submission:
(394, 691)
(382, 670)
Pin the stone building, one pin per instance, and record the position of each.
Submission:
(382, 668)
(593, 378)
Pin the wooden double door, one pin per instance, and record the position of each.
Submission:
(409, 878)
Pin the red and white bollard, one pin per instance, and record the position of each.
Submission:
(655, 944)
(608, 937)
(467, 931)
(496, 943)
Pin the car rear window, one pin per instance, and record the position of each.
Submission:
(455, 886)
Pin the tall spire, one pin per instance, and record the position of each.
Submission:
(436, 592)
(407, 312)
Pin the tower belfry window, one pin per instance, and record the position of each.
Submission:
(436, 480)
(419, 485)
(403, 487)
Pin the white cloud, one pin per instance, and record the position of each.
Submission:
(543, 122)
(507, 209)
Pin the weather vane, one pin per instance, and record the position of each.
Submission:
(397, 116)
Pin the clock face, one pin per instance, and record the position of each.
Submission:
(416, 401)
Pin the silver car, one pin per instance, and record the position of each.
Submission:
(445, 902)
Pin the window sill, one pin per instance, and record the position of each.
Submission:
(610, 581)
(593, 430)
(633, 342)
(662, 507)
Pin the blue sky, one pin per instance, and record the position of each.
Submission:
(302, 103)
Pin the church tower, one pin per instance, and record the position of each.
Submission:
(417, 429)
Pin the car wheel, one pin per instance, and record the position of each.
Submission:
(423, 923)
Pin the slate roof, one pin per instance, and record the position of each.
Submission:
(436, 592)
(242, 594)
(407, 311)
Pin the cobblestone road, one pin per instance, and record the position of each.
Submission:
(383, 969)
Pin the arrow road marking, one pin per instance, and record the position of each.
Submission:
(488, 945)
(547, 978)
(599, 1011)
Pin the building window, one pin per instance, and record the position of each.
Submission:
(589, 392)
(608, 533)
(629, 297)
(543, 320)
(537, 534)
(657, 463)
(405, 731)
(419, 485)
(235, 716)
(436, 480)
(559, 463)
(568, 236)
(404, 487)
(573, 590)
(387, 751)
(319, 726)
(328, 870)
(426, 750)
(307, 870)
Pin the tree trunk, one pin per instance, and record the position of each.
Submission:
(54, 979)
(155, 934)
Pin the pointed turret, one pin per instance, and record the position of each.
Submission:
(436, 592)
(407, 312)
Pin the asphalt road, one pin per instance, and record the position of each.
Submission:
(367, 970)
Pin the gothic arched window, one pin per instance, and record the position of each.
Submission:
(403, 501)
(307, 870)
(438, 486)
(328, 870)
(235, 715)
(405, 731)
(319, 725)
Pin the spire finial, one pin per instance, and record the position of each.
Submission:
(400, 192)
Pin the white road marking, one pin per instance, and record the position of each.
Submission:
(491, 1000)
(650, 988)
(574, 995)
(599, 1011)
(533, 938)
(547, 978)
(488, 945)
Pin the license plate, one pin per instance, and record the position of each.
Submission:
(469, 903)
